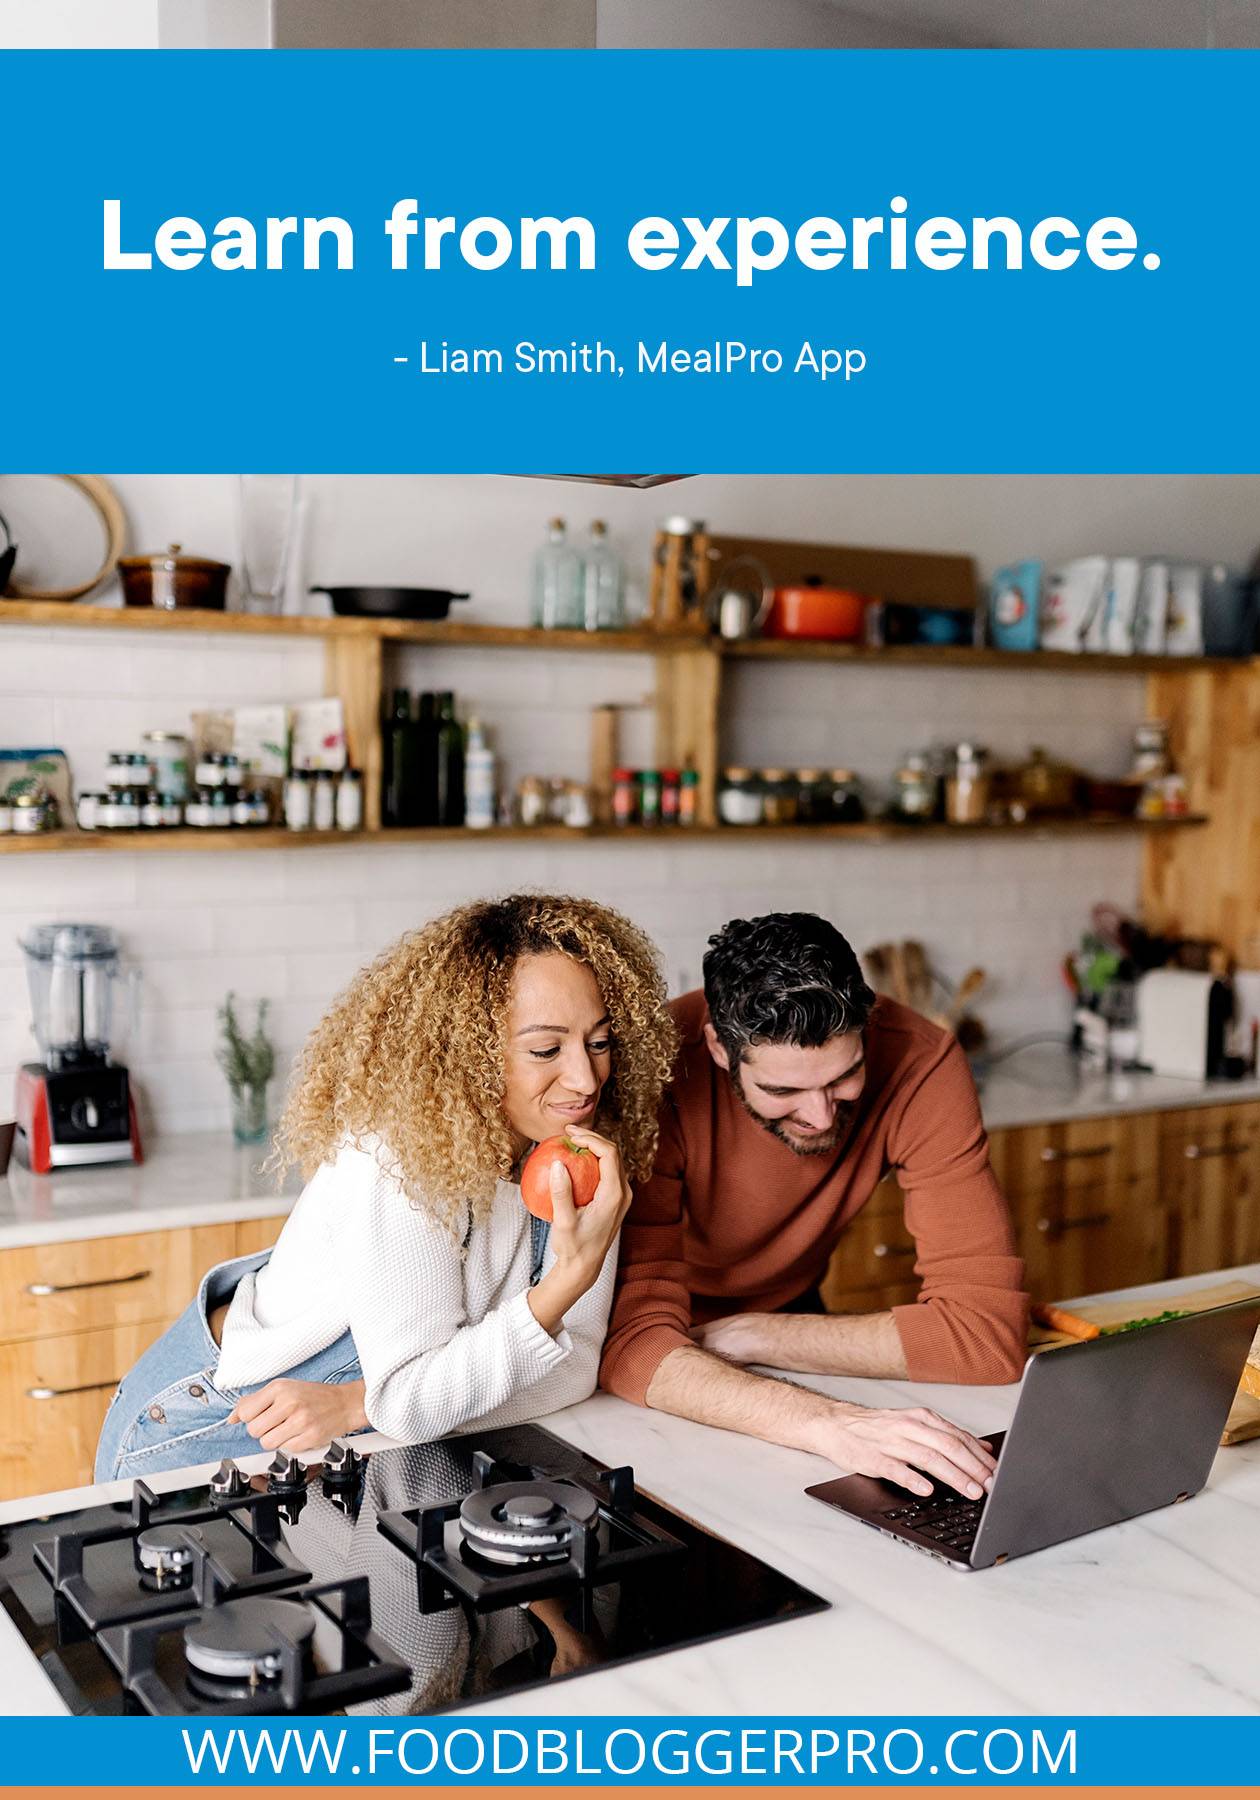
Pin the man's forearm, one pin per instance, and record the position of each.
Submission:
(696, 1385)
(812, 1343)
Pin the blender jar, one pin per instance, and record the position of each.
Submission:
(70, 972)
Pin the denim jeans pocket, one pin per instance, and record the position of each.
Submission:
(183, 1410)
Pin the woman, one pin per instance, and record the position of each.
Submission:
(410, 1290)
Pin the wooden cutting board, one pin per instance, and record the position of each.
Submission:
(1244, 1417)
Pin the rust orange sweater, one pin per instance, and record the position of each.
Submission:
(732, 1220)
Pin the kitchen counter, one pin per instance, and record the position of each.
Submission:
(205, 1179)
(1043, 1084)
(1158, 1615)
(199, 1179)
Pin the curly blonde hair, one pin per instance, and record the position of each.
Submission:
(412, 1053)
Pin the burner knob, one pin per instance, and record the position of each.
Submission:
(228, 1481)
(342, 1465)
(285, 1474)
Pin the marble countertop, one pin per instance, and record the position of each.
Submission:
(198, 1179)
(206, 1179)
(1159, 1615)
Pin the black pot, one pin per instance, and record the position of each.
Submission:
(390, 602)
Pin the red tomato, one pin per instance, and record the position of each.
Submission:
(583, 1167)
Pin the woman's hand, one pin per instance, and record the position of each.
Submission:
(580, 1235)
(300, 1415)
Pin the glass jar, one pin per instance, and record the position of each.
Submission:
(233, 772)
(211, 771)
(1151, 758)
(915, 790)
(739, 797)
(118, 770)
(811, 797)
(220, 809)
(778, 797)
(150, 810)
(625, 797)
(844, 798)
(577, 810)
(649, 796)
(168, 756)
(140, 771)
(967, 786)
(86, 807)
(531, 800)
(172, 810)
(198, 811)
(32, 812)
(127, 808)
(689, 797)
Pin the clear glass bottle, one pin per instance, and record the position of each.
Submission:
(603, 583)
(844, 798)
(557, 583)
(740, 797)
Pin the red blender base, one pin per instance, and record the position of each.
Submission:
(36, 1142)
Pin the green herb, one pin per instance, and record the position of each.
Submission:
(1141, 1324)
(246, 1061)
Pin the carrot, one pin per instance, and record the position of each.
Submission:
(1055, 1319)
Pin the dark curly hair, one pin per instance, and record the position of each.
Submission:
(785, 978)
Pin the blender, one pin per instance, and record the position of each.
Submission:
(75, 1106)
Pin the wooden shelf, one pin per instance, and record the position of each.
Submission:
(458, 633)
(875, 831)
(407, 631)
(969, 656)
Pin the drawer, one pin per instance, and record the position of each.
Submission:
(1090, 1239)
(874, 1251)
(47, 1290)
(258, 1234)
(1077, 1153)
(53, 1396)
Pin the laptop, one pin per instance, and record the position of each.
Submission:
(1103, 1431)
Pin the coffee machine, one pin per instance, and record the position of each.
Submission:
(76, 1105)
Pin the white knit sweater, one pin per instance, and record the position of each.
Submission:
(445, 1336)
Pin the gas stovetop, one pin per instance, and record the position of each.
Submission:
(408, 1581)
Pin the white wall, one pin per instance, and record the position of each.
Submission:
(295, 924)
(78, 24)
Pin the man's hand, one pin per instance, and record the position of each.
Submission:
(300, 1415)
(906, 1445)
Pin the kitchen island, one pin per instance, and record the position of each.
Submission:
(1160, 1615)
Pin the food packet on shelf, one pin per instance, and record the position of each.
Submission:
(1074, 596)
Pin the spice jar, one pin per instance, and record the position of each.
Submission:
(778, 798)
(1151, 758)
(811, 797)
(625, 797)
(150, 809)
(324, 802)
(967, 786)
(577, 811)
(211, 769)
(671, 793)
(118, 770)
(915, 790)
(172, 810)
(32, 812)
(844, 798)
(197, 811)
(86, 808)
(297, 801)
(531, 800)
(649, 797)
(349, 801)
(739, 797)
(689, 797)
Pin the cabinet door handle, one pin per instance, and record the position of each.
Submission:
(894, 1250)
(41, 1288)
(1050, 1154)
(1057, 1227)
(90, 1387)
(1193, 1152)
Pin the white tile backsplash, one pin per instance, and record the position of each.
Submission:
(295, 924)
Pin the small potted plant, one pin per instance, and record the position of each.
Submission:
(249, 1063)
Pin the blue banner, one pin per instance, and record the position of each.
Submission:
(731, 261)
(566, 1752)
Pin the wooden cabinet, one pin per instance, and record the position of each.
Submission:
(1209, 1164)
(74, 1317)
(54, 1393)
(257, 1234)
(1096, 1203)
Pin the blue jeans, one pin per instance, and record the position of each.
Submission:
(168, 1412)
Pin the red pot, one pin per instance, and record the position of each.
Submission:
(814, 611)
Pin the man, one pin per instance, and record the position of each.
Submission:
(796, 1090)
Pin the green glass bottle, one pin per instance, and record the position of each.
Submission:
(450, 763)
(399, 760)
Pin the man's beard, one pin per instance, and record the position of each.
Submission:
(820, 1143)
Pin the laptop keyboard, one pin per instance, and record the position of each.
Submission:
(946, 1519)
